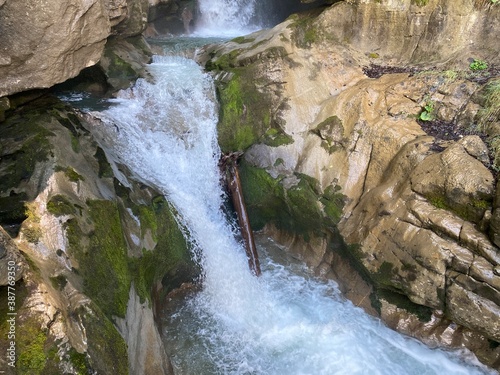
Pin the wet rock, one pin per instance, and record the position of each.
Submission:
(456, 180)
(471, 309)
(146, 353)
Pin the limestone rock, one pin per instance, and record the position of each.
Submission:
(44, 43)
(71, 205)
(404, 31)
(124, 61)
(473, 310)
(455, 179)
(146, 353)
(128, 17)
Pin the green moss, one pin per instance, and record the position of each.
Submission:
(27, 140)
(103, 260)
(118, 68)
(170, 255)
(331, 132)
(70, 173)
(32, 235)
(32, 356)
(275, 138)
(105, 169)
(31, 343)
(244, 114)
(295, 210)
(333, 202)
(58, 282)
(242, 39)
(304, 31)
(384, 276)
(106, 347)
(59, 205)
(264, 197)
(472, 211)
(107, 280)
(278, 162)
(79, 361)
(225, 62)
(148, 220)
(71, 122)
(437, 201)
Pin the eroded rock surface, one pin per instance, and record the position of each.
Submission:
(44, 43)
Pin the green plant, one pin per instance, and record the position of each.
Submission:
(491, 111)
(478, 65)
(427, 114)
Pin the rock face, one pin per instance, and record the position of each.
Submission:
(416, 31)
(337, 166)
(97, 241)
(44, 43)
(145, 348)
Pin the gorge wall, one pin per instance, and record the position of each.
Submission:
(368, 148)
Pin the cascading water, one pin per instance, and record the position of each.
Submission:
(282, 323)
(225, 17)
(285, 322)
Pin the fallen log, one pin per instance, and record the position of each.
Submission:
(229, 168)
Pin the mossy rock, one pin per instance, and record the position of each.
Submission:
(423, 313)
(473, 211)
(294, 210)
(103, 261)
(170, 262)
(246, 112)
(59, 205)
(105, 169)
(24, 142)
(331, 132)
(106, 347)
(304, 32)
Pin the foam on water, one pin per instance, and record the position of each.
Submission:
(225, 17)
(285, 322)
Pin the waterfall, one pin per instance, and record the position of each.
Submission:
(286, 321)
(226, 17)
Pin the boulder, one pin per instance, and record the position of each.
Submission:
(44, 43)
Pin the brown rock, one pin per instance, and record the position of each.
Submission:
(44, 43)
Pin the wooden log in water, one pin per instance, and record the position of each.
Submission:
(230, 170)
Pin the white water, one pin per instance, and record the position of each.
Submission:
(225, 17)
(282, 323)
